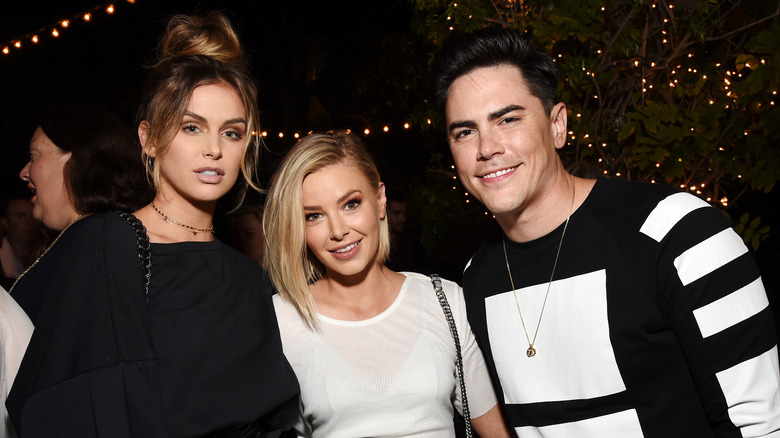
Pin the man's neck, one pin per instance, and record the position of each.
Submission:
(548, 213)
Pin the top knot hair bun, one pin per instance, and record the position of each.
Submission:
(207, 35)
(195, 50)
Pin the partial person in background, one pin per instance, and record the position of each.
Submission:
(83, 160)
(23, 237)
(608, 308)
(397, 212)
(371, 347)
(15, 332)
(246, 233)
(153, 327)
(406, 251)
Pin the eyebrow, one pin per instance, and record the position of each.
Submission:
(203, 119)
(492, 116)
(505, 110)
(339, 201)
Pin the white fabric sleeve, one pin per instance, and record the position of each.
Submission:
(479, 389)
(15, 333)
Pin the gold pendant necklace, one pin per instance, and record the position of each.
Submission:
(531, 352)
(194, 230)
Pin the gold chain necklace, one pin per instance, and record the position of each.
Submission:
(194, 230)
(531, 352)
(44, 252)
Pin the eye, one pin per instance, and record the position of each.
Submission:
(234, 134)
(508, 120)
(459, 135)
(311, 217)
(352, 204)
(190, 128)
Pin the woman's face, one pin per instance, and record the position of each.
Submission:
(44, 174)
(204, 159)
(342, 213)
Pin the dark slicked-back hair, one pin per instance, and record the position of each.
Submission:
(466, 52)
(104, 171)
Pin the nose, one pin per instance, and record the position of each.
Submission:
(338, 228)
(213, 147)
(24, 174)
(489, 146)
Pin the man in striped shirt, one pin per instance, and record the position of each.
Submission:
(607, 308)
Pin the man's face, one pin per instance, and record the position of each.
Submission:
(396, 216)
(20, 224)
(502, 140)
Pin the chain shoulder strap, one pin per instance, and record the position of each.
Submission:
(144, 248)
(445, 306)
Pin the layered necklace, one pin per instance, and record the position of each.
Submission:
(194, 230)
(531, 351)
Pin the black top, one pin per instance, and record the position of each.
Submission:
(202, 356)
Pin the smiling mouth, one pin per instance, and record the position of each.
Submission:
(498, 173)
(346, 248)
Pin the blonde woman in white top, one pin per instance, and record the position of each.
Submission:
(371, 348)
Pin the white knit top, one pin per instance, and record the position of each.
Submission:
(392, 375)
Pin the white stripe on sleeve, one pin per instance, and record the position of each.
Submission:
(709, 255)
(752, 400)
(668, 212)
(731, 309)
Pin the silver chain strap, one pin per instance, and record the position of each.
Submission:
(445, 306)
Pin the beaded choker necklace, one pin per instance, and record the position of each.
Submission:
(194, 230)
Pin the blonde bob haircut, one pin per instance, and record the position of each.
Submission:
(195, 50)
(291, 266)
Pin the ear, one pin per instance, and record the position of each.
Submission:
(559, 120)
(382, 200)
(63, 158)
(143, 136)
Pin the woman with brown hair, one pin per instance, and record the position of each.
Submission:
(83, 160)
(183, 342)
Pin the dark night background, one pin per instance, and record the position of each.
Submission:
(319, 65)
(312, 60)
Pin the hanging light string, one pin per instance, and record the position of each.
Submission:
(54, 30)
